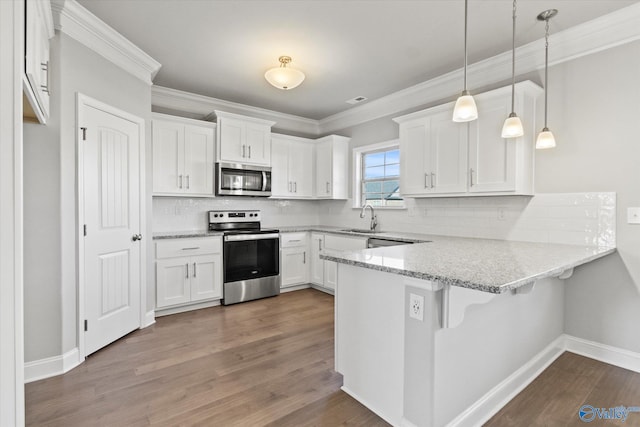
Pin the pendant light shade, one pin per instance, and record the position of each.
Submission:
(465, 109)
(512, 127)
(284, 77)
(545, 137)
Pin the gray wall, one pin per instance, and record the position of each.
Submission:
(50, 192)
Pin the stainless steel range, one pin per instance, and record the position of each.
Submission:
(251, 256)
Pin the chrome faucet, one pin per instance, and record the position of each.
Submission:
(374, 218)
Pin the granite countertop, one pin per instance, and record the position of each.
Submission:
(395, 235)
(494, 266)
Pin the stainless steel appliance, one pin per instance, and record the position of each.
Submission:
(251, 256)
(233, 179)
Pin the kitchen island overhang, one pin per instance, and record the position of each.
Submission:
(485, 334)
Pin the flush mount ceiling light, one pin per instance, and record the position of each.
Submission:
(284, 77)
(545, 137)
(513, 125)
(465, 109)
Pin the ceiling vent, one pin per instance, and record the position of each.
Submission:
(356, 100)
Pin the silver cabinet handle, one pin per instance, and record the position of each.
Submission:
(186, 266)
(433, 178)
(294, 240)
(295, 187)
(249, 151)
(304, 257)
(327, 187)
(319, 244)
(136, 237)
(180, 178)
(425, 180)
(243, 150)
(188, 182)
(471, 177)
(44, 66)
(290, 191)
(191, 249)
(194, 269)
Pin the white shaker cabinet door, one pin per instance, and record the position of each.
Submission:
(168, 157)
(317, 264)
(206, 276)
(172, 282)
(448, 154)
(198, 160)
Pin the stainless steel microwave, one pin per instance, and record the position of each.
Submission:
(234, 179)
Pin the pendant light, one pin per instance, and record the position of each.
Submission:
(465, 109)
(545, 137)
(513, 125)
(284, 77)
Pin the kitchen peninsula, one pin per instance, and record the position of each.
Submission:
(460, 325)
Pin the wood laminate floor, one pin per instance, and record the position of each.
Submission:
(270, 363)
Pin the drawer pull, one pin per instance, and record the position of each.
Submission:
(191, 249)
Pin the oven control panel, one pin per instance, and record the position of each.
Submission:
(221, 217)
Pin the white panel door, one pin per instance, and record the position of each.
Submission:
(168, 157)
(448, 156)
(232, 140)
(492, 159)
(280, 182)
(111, 182)
(173, 281)
(317, 264)
(198, 160)
(206, 277)
(301, 169)
(324, 169)
(414, 149)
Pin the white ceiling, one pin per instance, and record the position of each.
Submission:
(346, 48)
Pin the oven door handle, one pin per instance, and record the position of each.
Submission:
(241, 237)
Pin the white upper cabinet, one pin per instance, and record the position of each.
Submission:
(36, 84)
(243, 139)
(441, 158)
(291, 167)
(332, 169)
(183, 156)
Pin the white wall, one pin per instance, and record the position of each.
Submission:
(50, 192)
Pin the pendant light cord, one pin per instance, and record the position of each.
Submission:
(513, 61)
(546, 68)
(466, 6)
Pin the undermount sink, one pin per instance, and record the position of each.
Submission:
(360, 230)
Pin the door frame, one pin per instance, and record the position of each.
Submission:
(82, 102)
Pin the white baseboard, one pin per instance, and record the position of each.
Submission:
(605, 353)
(372, 408)
(323, 289)
(149, 319)
(159, 312)
(51, 366)
(489, 404)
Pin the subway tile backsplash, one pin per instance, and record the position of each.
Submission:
(571, 218)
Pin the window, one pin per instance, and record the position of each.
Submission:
(377, 170)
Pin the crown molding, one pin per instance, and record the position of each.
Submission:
(80, 24)
(205, 106)
(611, 30)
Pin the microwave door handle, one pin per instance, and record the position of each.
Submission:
(264, 181)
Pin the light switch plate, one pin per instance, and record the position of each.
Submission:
(633, 215)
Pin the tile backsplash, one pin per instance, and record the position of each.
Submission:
(572, 218)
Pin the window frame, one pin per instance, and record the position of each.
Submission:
(357, 171)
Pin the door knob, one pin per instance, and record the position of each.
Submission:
(136, 237)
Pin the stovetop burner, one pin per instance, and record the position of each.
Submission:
(237, 222)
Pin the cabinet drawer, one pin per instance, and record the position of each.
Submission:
(188, 247)
(290, 240)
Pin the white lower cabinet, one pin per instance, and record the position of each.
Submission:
(325, 273)
(188, 271)
(294, 258)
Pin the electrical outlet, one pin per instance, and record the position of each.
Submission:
(416, 307)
